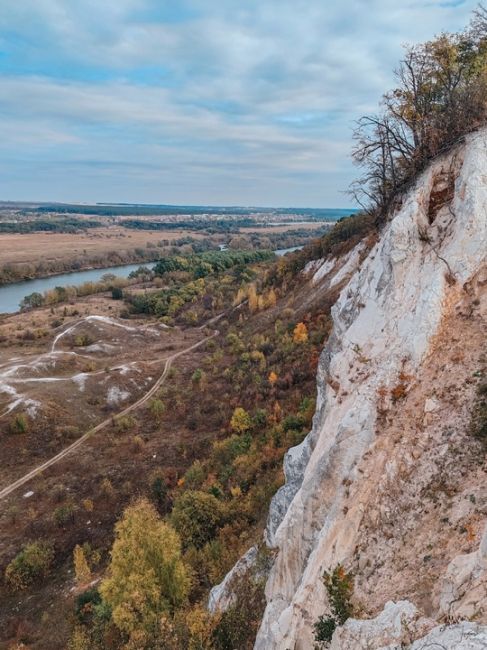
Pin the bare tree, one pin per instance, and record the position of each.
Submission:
(441, 95)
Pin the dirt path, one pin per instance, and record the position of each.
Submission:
(48, 463)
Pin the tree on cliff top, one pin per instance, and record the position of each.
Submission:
(440, 97)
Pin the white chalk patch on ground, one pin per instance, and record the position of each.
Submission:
(115, 395)
(100, 347)
(80, 380)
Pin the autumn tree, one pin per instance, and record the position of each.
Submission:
(81, 568)
(300, 334)
(271, 298)
(146, 577)
(253, 298)
(241, 420)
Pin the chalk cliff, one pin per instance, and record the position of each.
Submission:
(389, 482)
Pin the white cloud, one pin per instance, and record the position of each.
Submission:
(249, 102)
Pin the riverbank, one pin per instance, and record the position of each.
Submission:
(12, 294)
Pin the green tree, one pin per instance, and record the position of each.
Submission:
(197, 516)
(157, 409)
(32, 301)
(146, 577)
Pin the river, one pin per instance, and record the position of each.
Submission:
(12, 294)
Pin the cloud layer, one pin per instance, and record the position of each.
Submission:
(215, 101)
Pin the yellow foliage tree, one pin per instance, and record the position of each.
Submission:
(201, 626)
(271, 298)
(240, 297)
(276, 412)
(300, 334)
(81, 568)
(253, 298)
(272, 378)
(80, 640)
(240, 422)
(147, 578)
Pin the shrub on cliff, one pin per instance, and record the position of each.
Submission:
(339, 585)
(478, 424)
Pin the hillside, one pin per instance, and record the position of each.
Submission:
(387, 492)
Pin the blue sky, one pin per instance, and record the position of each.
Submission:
(248, 102)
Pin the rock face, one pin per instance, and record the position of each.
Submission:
(221, 596)
(396, 626)
(464, 587)
(400, 627)
(383, 432)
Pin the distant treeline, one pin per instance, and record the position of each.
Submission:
(70, 225)
(322, 214)
(209, 226)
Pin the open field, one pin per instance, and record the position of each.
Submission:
(289, 227)
(41, 246)
(32, 248)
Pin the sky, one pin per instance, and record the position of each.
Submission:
(219, 102)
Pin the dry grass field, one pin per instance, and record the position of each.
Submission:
(41, 246)
(308, 225)
(32, 248)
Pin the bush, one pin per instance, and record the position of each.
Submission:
(225, 451)
(64, 514)
(293, 423)
(159, 491)
(31, 564)
(19, 424)
(197, 516)
(85, 604)
(125, 423)
(339, 585)
(83, 340)
(157, 409)
(324, 628)
(238, 625)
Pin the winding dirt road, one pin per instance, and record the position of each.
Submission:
(62, 454)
